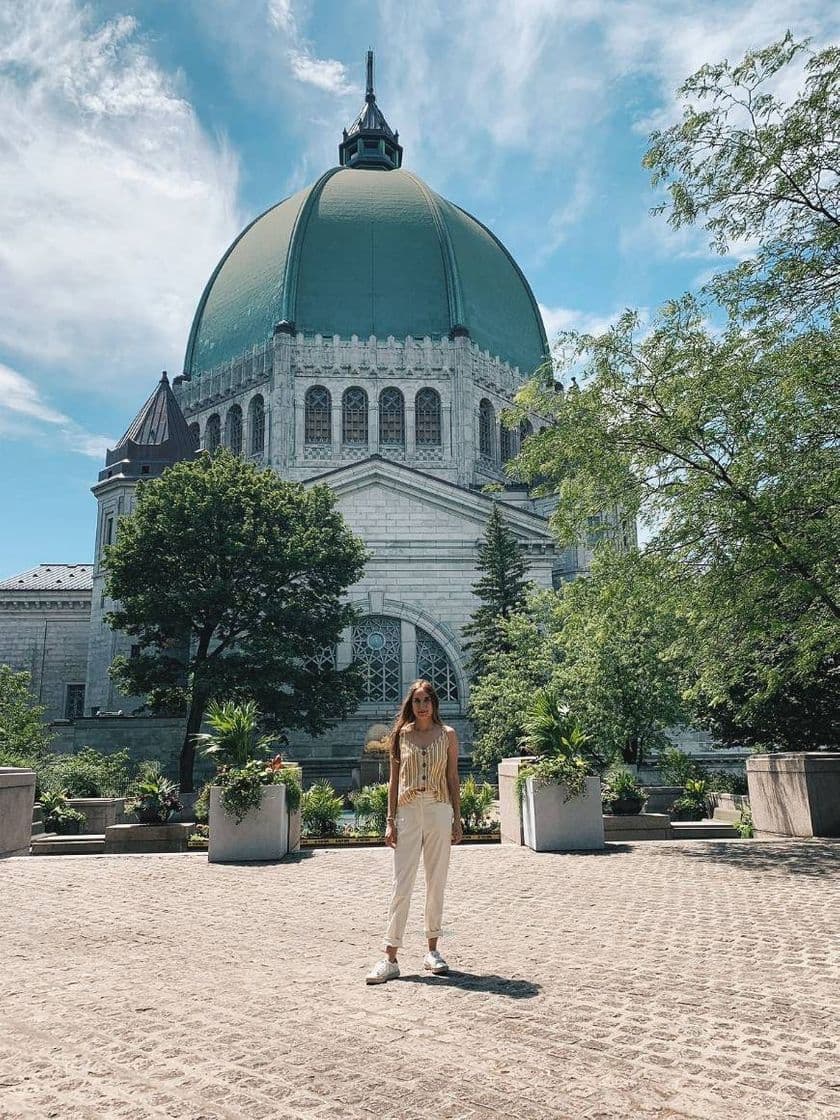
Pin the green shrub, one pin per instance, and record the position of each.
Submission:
(89, 773)
(744, 824)
(621, 785)
(320, 810)
(370, 806)
(475, 802)
(58, 815)
(677, 768)
(201, 808)
(722, 781)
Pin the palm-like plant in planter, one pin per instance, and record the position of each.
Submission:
(235, 745)
(565, 757)
(154, 797)
(622, 792)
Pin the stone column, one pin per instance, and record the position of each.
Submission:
(373, 425)
(336, 425)
(408, 640)
(410, 429)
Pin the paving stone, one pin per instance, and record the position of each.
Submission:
(657, 981)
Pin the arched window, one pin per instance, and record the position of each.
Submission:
(526, 429)
(391, 418)
(377, 656)
(256, 425)
(233, 429)
(195, 435)
(213, 432)
(506, 443)
(317, 426)
(427, 418)
(354, 417)
(486, 430)
(434, 666)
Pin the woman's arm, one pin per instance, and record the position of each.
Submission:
(453, 783)
(393, 794)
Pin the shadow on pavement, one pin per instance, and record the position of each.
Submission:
(817, 858)
(471, 982)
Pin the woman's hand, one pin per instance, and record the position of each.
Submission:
(391, 834)
(457, 831)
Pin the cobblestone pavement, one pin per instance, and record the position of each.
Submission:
(659, 981)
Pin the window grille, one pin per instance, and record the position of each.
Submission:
(377, 655)
(213, 433)
(74, 701)
(427, 418)
(323, 659)
(354, 420)
(434, 666)
(391, 418)
(257, 425)
(233, 429)
(506, 441)
(317, 415)
(486, 430)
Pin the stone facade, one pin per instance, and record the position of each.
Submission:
(44, 628)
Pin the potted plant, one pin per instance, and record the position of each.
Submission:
(320, 810)
(58, 815)
(370, 808)
(475, 804)
(622, 793)
(691, 806)
(155, 798)
(251, 798)
(250, 807)
(558, 792)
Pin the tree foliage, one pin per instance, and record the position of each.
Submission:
(24, 736)
(723, 439)
(754, 169)
(231, 580)
(500, 590)
(607, 646)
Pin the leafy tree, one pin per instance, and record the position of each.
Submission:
(231, 581)
(752, 168)
(24, 738)
(501, 591)
(724, 440)
(607, 646)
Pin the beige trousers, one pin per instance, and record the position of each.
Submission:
(423, 825)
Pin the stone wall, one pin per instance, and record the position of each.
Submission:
(46, 636)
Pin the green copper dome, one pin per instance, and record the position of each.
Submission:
(368, 249)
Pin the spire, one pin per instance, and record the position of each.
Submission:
(156, 438)
(369, 141)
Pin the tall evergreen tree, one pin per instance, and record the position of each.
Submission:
(501, 590)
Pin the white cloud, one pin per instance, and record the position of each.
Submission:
(116, 203)
(24, 414)
(557, 319)
(325, 73)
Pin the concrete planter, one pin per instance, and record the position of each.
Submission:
(552, 824)
(125, 838)
(17, 798)
(637, 826)
(261, 834)
(795, 794)
(100, 812)
(727, 806)
(659, 799)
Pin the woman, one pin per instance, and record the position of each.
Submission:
(424, 815)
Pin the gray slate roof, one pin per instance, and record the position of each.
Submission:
(52, 577)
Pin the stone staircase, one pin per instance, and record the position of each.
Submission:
(703, 830)
(51, 844)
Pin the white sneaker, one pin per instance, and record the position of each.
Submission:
(435, 963)
(382, 971)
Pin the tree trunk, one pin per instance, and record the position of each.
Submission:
(198, 704)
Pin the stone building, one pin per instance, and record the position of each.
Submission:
(368, 334)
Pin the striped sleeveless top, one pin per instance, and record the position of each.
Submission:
(423, 767)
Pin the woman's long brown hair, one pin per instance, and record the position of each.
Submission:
(406, 713)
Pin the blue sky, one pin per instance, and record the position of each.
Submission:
(137, 138)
